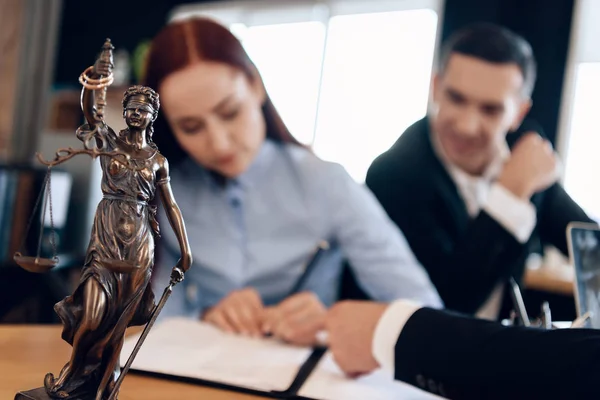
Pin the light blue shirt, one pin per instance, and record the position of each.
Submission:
(261, 229)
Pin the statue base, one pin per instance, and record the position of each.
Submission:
(41, 394)
(34, 394)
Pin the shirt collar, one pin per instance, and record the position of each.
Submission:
(491, 172)
(261, 163)
(248, 178)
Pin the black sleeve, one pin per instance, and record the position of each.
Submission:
(485, 253)
(557, 210)
(459, 357)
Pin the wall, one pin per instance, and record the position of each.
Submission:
(86, 24)
(546, 25)
(11, 16)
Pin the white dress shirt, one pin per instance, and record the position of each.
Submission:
(479, 193)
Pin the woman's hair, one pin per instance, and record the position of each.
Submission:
(152, 97)
(183, 43)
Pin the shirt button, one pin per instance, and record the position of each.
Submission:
(431, 385)
(421, 381)
(442, 390)
(191, 293)
(235, 203)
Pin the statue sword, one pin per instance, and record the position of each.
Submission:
(176, 277)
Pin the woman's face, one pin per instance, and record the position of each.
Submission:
(215, 113)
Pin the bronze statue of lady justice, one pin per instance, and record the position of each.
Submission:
(114, 291)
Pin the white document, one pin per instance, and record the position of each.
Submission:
(193, 349)
(328, 382)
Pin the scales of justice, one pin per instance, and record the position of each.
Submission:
(114, 290)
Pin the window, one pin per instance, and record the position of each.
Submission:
(579, 138)
(583, 163)
(348, 77)
(289, 58)
(372, 90)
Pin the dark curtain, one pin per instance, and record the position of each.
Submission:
(545, 24)
(86, 24)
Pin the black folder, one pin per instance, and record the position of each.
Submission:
(179, 325)
(291, 393)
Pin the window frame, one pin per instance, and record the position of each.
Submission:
(238, 14)
(583, 48)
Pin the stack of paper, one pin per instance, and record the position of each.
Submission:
(328, 382)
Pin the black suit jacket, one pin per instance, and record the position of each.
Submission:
(465, 257)
(464, 358)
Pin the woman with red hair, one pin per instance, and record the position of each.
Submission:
(256, 202)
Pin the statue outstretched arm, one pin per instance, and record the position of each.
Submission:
(88, 106)
(95, 81)
(88, 94)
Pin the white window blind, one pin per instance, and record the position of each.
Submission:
(579, 135)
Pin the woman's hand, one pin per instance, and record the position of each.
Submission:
(242, 311)
(297, 319)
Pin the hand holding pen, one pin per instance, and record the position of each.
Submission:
(296, 319)
(299, 317)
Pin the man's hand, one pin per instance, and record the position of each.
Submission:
(532, 167)
(242, 311)
(297, 319)
(351, 327)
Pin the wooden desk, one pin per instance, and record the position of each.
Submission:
(553, 279)
(28, 352)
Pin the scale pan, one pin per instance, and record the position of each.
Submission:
(120, 266)
(35, 264)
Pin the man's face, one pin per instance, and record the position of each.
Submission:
(476, 104)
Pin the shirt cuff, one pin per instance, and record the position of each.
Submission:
(515, 215)
(388, 330)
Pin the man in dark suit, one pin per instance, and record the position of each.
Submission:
(463, 358)
(472, 186)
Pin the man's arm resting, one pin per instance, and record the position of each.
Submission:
(459, 357)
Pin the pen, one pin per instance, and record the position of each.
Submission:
(580, 322)
(518, 302)
(322, 336)
(546, 316)
(310, 265)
